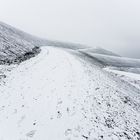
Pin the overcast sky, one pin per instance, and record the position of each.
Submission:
(111, 24)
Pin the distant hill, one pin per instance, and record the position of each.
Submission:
(17, 46)
(99, 50)
(114, 61)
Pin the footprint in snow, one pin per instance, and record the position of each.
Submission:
(59, 114)
(97, 88)
(31, 133)
(68, 132)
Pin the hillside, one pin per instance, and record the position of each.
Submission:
(114, 61)
(66, 92)
(17, 46)
(99, 50)
(14, 47)
(60, 96)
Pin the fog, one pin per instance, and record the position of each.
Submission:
(111, 24)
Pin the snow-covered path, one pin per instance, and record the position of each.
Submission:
(56, 96)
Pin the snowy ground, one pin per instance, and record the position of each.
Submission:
(113, 61)
(131, 78)
(60, 96)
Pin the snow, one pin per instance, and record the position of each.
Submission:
(128, 74)
(14, 43)
(98, 50)
(130, 77)
(126, 69)
(60, 96)
(114, 61)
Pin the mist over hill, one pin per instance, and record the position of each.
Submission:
(17, 46)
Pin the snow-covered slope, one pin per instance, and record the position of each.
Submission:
(13, 45)
(16, 45)
(99, 50)
(131, 77)
(66, 92)
(114, 61)
(60, 96)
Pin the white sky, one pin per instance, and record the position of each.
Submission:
(111, 24)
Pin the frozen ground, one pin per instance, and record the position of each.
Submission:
(60, 96)
(130, 77)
